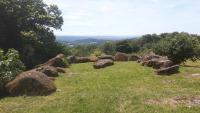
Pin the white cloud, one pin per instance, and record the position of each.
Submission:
(125, 17)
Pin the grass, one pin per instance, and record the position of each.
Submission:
(122, 88)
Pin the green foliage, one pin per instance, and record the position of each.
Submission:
(85, 50)
(179, 48)
(26, 25)
(97, 53)
(108, 48)
(10, 66)
(123, 46)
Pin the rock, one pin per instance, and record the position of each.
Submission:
(103, 63)
(149, 56)
(158, 63)
(82, 59)
(71, 59)
(134, 58)
(58, 61)
(48, 70)
(121, 56)
(93, 59)
(60, 70)
(106, 57)
(31, 83)
(169, 70)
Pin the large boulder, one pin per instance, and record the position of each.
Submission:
(103, 63)
(58, 61)
(71, 59)
(48, 70)
(106, 57)
(121, 56)
(149, 56)
(134, 58)
(169, 70)
(31, 83)
(82, 59)
(158, 63)
(60, 70)
(74, 59)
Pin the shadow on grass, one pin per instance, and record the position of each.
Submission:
(190, 66)
(3, 95)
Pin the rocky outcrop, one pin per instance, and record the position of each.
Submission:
(107, 57)
(103, 63)
(121, 56)
(58, 61)
(134, 57)
(163, 65)
(31, 83)
(74, 59)
(169, 70)
(48, 70)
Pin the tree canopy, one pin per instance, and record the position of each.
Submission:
(27, 25)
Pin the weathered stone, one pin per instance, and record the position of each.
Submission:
(158, 63)
(121, 56)
(48, 70)
(169, 70)
(107, 57)
(31, 83)
(60, 70)
(57, 61)
(134, 58)
(71, 59)
(103, 63)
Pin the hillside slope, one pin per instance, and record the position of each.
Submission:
(123, 88)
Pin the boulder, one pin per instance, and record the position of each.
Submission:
(71, 59)
(103, 63)
(31, 83)
(58, 61)
(134, 58)
(93, 59)
(83, 59)
(158, 63)
(149, 56)
(60, 70)
(106, 57)
(48, 70)
(121, 56)
(169, 70)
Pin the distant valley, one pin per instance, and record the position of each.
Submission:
(80, 40)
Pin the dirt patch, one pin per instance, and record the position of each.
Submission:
(197, 75)
(179, 100)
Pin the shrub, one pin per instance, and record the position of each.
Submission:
(179, 48)
(10, 66)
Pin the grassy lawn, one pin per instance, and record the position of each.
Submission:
(122, 88)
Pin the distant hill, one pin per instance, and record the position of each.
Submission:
(74, 38)
(77, 40)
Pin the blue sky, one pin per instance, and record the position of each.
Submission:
(128, 17)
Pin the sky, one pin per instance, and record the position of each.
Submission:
(128, 17)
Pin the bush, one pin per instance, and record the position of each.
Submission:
(179, 48)
(10, 66)
(97, 53)
(124, 47)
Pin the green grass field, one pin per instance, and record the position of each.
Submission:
(125, 87)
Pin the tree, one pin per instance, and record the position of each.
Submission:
(124, 47)
(26, 25)
(108, 48)
(179, 47)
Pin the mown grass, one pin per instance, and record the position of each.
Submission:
(122, 88)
